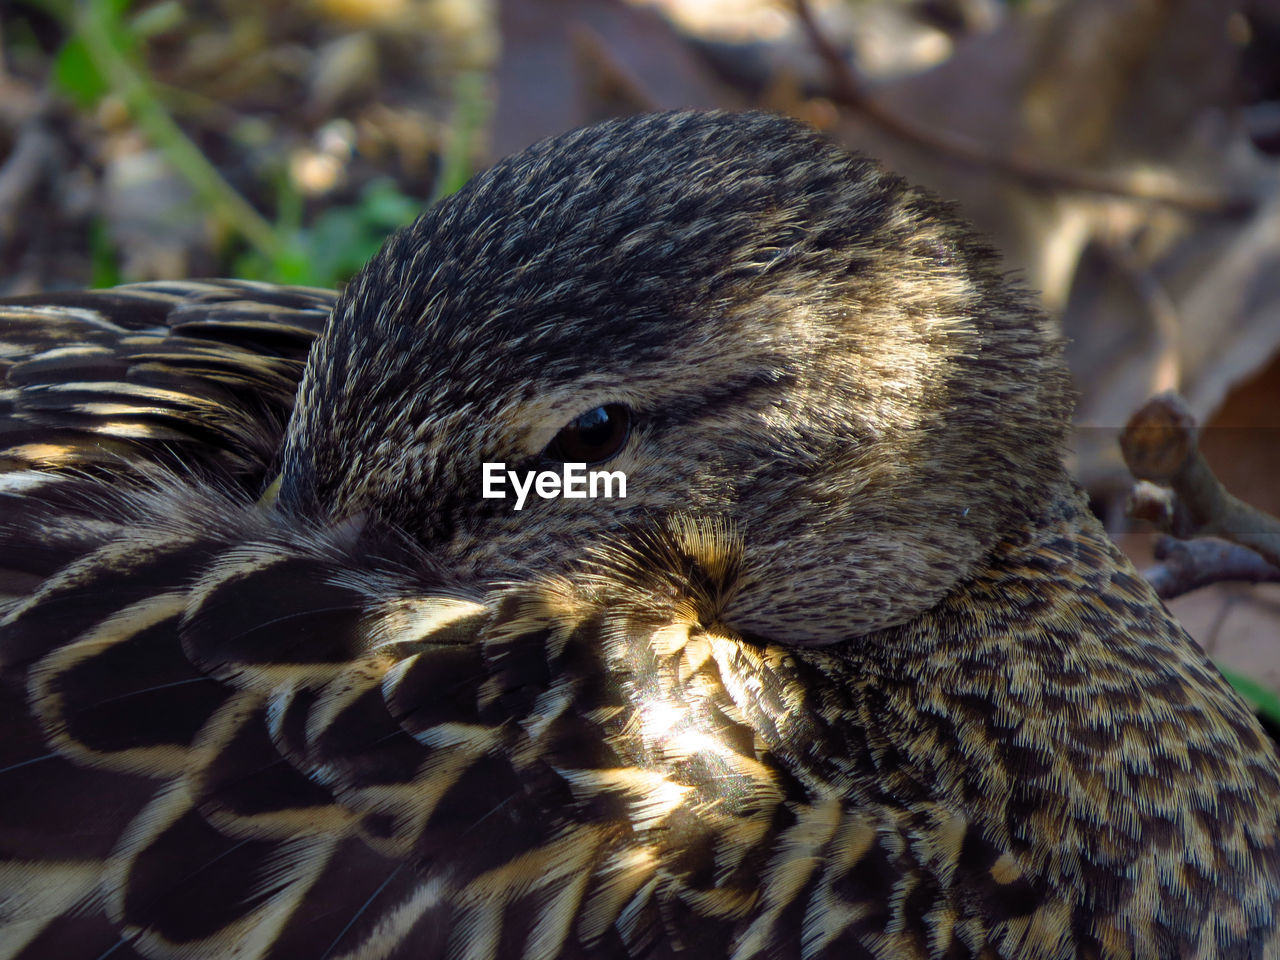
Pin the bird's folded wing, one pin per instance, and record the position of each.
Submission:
(195, 375)
(225, 735)
(221, 740)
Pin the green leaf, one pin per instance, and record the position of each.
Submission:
(74, 70)
(293, 266)
(382, 205)
(1259, 696)
(76, 76)
(341, 239)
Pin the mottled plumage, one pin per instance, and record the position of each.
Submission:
(850, 672)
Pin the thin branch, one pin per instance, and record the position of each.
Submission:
(848, 90)
(1181, 495)
(1187, 565)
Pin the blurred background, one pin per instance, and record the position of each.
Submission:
(1124, 155)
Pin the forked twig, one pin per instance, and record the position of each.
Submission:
(1180, 494)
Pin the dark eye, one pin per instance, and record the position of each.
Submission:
(593, 437)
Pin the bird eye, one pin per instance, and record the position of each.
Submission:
(593, 437)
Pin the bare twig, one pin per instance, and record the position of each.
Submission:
(1187, 565)
(1160, 447)
(847, 90)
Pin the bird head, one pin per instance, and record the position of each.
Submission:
(750, 323)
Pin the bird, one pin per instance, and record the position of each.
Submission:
(845, 668)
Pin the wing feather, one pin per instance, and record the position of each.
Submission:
(196, 376)
(284, 742)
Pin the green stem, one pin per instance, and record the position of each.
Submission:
(470, 114)
(156, 123)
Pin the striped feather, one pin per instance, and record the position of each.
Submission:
(198, 376)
